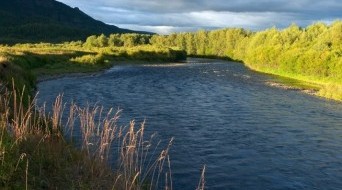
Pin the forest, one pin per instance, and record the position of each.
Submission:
(311, 54)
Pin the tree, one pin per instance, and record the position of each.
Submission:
(115, 40)
(102, 41)
(91, 41)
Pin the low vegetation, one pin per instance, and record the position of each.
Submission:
(24, 62)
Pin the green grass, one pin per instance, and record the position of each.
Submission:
(326, 88)
(34, 153)
(25, 62)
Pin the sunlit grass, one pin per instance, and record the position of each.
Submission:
(89, 59)
(331, 91)
(330, 88)
(32, 145)
(74, 57)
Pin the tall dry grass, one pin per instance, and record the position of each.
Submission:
(4, 115)
(139, 162)
(137, 165)
(331, 91)
(201, 183)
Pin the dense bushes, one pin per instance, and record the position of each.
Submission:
(117, 40)
(133, 46)
(148, 53)
(91, 59)
(313, 54)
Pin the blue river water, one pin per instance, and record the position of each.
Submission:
(222, 115)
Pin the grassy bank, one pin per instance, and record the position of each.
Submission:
(36, 154)
(35, 149)
(24, 62)
(323, 87)
(312, 54)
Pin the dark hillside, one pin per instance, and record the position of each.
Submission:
(47, 21)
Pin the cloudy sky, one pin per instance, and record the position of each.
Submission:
(166, 16)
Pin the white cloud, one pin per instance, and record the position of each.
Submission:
(165, 16)
(157, 29)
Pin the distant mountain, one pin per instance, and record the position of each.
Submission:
(48, 21)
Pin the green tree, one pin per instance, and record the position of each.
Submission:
(91, 41)
(115, 40)
(102, 41)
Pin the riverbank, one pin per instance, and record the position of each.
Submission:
(310, 85)
(34, 153)
(311, 54)
(117, 61)
(287, 82)
(282, 82)
(24, 62)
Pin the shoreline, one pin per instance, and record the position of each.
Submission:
(47, 77)
(44, 78)
(311, 87)
(281, 85)
(284, 86)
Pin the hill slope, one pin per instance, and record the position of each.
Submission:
(47, 21)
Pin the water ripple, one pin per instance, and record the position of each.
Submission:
(250, 136)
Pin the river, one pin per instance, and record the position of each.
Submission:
(221, 114)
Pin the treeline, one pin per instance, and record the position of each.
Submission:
(96, 53)
(312, 53)
(131, 46)
(118, 40)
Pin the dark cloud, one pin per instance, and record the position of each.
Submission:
(177, 6)
(187, 15)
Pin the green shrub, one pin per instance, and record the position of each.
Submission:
(91, 59)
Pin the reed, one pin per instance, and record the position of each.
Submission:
(139, 161)
(201, 183)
